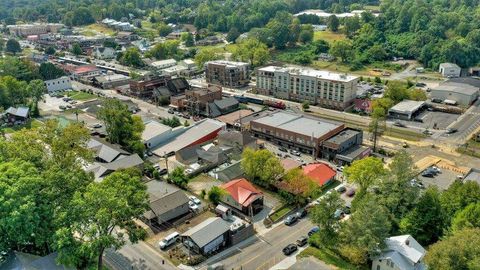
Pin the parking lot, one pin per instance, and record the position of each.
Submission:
(442, 180)
(429, 119)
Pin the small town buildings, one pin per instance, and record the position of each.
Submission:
(363, 105)
(208, 236)
(197, 100)
(85, 73)
(473, 175)
(144, 88)
(407, 109)
(325, 88)
(464, 91)
(295, 131)
(24, 30)
(227, 73)
(18, 115)
(340, 143)
(166, 202)
(163, 64)
(210, 40)
(176, 70)
(110, 81)
(241, 195)
(401, 253)
(236, 139)
(234, 119)
(103, 53)
(155, 133)
(206, 156)
(450, 70)
(60, 84)
(222, 106)
(320, 173)
(290, 164)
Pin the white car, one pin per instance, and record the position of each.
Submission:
(194, 200)
(188, 171)
(192, 206)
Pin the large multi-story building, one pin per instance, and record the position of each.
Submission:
(145, 87)
(227, 73)
(327, 89)
(23, 30)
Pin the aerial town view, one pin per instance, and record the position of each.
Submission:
(239, 135)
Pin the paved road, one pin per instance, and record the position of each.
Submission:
(466, 124)
(138, 256)
(265, 251)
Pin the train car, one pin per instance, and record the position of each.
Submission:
(275, 104)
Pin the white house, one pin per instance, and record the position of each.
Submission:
(59, 84)
(103, 53)
(164, 63)
(402, 253)
(449, 70)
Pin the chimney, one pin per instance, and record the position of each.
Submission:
(407, 242)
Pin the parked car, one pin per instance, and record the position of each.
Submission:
(295, 153)
(427, 132)
(302, 241)
(170, 111)
(398, 124)
(61, 107)
(339, 214)
(282, 149)
(350, 192)
(194, 199)
(347, 210)
(162, 171)
(313, 230)
(301, 213)
(436, 169)
(341, 188)
(192, 206)
(451, 130)
(290, 220)
(428, 174)
(291, 248)
(169, 240)
(97, 125)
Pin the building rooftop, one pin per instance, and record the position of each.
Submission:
(227, 63)
(20, 111)
(163, 197)
(234, 117)
(242, 191)
(290, 164)
(457, 87)
(473, 175)
(153, 129)
(404, 250)
(407, 106)
(111, 78)
(449, 65)
(85, 68)
(321, 173)
(308, 72)
(297, 123)
(164, 62)
(207, 231)
(343, 136)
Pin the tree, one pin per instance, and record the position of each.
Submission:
(76, 49)
(306, 106)
(298, 184)
(321, 46)
(50, 50)
(261, 166)
(469, 217)
(458, 196)
(396, 91)
(425, 221)
(178, 177)
(13, 46)
(103, 218)
(171, 122)
(417, 94)
(323, 216)
(457, 251)
(365, 172)
(122, 127)
(165, 50)
(333, 23)
(131, 57)
(342, 49)
(205, 55)
(110, 44)
(352, 25)
(279, 33)
(233, 34)
(188, 39)
(215, 195)
(253, 51)
(164, 29)
(49, 71)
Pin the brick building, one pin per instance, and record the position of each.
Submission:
(227, 73)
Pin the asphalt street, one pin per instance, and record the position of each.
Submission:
(138, 256)
(468, 123)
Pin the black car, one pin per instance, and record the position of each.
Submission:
(291, 248)
(451, 130)
(399, 124)
(302, 241)
(428, 174)
(282, 149)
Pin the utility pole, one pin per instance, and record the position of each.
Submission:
(166, 160)
(375, 129)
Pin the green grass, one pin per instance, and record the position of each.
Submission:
(372, 8)
(96, 28)
(77, 95)
(328, 36)
(472, 148)
(280, 213)
(329, 257)
(31, 123)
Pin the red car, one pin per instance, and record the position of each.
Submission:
(350, 192)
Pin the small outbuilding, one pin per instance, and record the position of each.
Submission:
(450, 70)
(407, 109)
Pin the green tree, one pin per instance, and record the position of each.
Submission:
(306, 34)
(188, 39)
(171, 122)
(306, 106)
(215, 195)
(342, 49)
(110, 44)
(321, 46)
(425, 221)
(457, 251)
(261, 166)
(417, 94)
(233, 34)
(351, 26)
(279, 33)
(164, 29)
(299, 185)
(178, 177)
(253, 51)
(365, 172)
(76, 49)
(204, 55)
(396, 91)
(165, 50)
(49, 71)
(469, 217)
(323, 216)
(103, 218)
(333, 23)
(131, 57)
(50, 50)
(13, 46)
(458, 196)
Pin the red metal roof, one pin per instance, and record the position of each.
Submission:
(242, 191)
(85, 68)
(319, 172)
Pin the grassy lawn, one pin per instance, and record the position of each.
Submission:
(472, 148)
(329, 257)
(77, 95)
(328, 36)
(280, 213)
(372, 8)
(31, 123)
(96, 28)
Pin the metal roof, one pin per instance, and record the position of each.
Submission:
(457, 87)
(407, 106)
(207, 231)
(20, 111)
(308, 72)
(343, 136)
(163, 197)
(153, 129)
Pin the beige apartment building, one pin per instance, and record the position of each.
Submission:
(324, 88)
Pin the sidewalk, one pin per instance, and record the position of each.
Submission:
(288, 261)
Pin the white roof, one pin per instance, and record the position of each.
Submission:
(153, 129)
(189, 61)
(227, 63)
(449, 65)
(323, 14)
(308, 72)
(404, 251)
(407, 106)
(164, 62)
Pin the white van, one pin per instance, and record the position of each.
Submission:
(169, 240)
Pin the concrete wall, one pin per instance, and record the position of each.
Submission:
(60, 84)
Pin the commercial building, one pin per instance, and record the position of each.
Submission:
(166, 202)
(295, 131)
(407, 109)
(145, 87)
(340, 144)
(163, 63)
(241, 195)
(450, 70)
(463, 91)
(16, 115)
(155, 133)
(24, 30)
(110, 81)
(320, 173)
(227, 73)
(60, 84)
(327, 89)
(197, 100)
(85, 73)
(402, 252)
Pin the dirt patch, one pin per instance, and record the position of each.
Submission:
(203, 182)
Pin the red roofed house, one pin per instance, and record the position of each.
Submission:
(85, 72)
(243, 196)
(321, 173)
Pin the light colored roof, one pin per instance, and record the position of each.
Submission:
(153, 129)
(101, 170)
(163, 197)
(308, 72)
(164, 62)
(111, 78)
(449, 65)
(20, 111)
(208, 230)
(298, 123)
(459, 88)
(407, 106)
(104, 150)
(343, 136)
(404, 251)
(473, 175)
(289, 164)
(234, 117)
(227, 63)
(191, 136)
